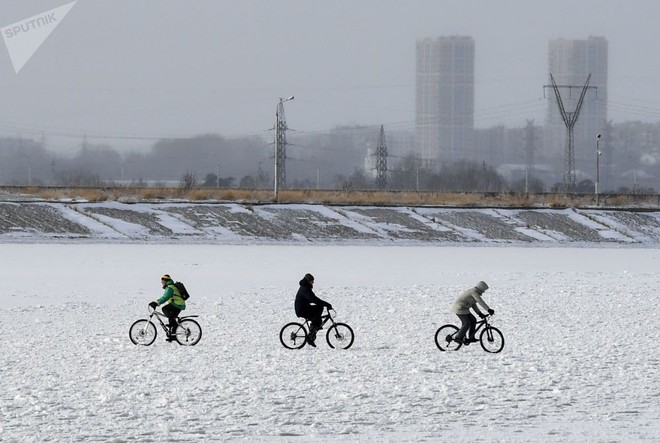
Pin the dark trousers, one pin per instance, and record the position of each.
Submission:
(468, 324)
(313, 314)
(172, 312)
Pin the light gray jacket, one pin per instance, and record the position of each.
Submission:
(467, 300)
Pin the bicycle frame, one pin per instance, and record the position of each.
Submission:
(160, 316)
(324, 320)
(480, 323)
(160, 320)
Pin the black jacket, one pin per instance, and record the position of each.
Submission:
(305, 297)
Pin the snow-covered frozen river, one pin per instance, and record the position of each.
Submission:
(581, 360)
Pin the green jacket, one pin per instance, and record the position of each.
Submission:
(172, 295)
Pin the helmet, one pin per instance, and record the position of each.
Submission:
(482, 286)
(309, 278)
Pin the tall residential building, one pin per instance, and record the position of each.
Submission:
(570, 62)
(445, 99)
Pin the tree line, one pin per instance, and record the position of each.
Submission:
(318, 161)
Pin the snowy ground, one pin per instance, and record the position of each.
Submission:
(231, 223)
(581, 360)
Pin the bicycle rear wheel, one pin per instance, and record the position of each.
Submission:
(142, 332)
(293, 336)
(188, 333)
(340, 336)
(491, 340)
(444, 338)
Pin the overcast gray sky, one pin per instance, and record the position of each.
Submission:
(172, 68)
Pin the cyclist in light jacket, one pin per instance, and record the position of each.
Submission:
(176, 303)
(461, 307)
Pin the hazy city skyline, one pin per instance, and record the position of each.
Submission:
(129, 72)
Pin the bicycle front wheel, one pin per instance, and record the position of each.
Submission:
(142, 332)
(492, 340)
(444, 338)
(340, 336)
(293, 336)
(188, 333)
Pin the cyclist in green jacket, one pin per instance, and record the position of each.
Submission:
(175, 304)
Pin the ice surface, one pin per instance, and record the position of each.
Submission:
(580, 363)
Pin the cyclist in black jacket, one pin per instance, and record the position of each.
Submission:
(309, 306)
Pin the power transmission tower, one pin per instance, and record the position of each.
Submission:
(381, 161)
(280, 146)
(569, 118)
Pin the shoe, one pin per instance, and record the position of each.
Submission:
(311, 343)
(171, 338)
(473, 340)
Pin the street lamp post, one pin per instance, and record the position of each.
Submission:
(598, 154)
(280, 140)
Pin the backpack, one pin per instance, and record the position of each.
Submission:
(182, 290)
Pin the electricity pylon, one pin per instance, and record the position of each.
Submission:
(381, 161)
(280, 146)
(569, 118)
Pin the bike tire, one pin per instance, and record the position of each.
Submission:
(293, 336)
(142, 332)
(492, 340)
(444, 338)
(340, 336)
(188, 332)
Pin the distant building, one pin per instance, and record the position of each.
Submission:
(570, 62)
(634, 148)
(445, 99)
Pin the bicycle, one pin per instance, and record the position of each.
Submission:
(339, 336)
(491, 338)
(143, 332)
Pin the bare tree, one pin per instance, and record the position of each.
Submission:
(188, 181)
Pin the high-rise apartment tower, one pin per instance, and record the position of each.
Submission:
(445, 99)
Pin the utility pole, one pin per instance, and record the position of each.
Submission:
(569, 118)
(381, 161)
(280, 146)
(598, 153)
(609, 159)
